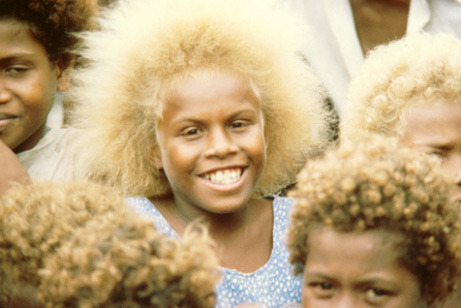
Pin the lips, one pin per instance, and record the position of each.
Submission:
(5, 120)
(224, 176)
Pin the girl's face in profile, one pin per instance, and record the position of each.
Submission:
(357, 270)
(212, 144)
(433, 125)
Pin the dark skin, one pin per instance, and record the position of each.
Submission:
(379, 21)
(11, 169)
(227, 231)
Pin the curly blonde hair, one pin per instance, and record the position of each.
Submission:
(37, 218)
(145, 47)
(377, 185)
(127, 263)
(419, 65)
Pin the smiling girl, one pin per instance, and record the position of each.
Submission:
(373, 227)
(202, 108)
(36, 38)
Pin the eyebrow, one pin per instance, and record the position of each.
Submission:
(16, 56)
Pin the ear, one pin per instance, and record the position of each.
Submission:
(64, 75)
(157, 159)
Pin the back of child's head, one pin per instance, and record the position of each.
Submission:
(127, 263)
(419, 65)
(146, 48)
(37, 218)
(53, 23)
(378, 186)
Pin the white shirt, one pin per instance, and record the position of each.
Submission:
(51, 158)
(333, 48)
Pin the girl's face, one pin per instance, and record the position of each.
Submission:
(28, 83)
(357, 270)
(212, 144)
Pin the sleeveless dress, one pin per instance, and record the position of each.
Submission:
(272, 285)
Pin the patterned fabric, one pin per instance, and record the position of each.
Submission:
(272, 285)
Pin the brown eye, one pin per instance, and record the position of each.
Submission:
(15, 70)
(377, 295)
(322, 289)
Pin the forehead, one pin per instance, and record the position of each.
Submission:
(358, 251)
(16, 39)
(207, 90)
(434, 121)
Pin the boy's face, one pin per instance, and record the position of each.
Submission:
(435, 128)
(212, 144)
(28, 83)
(357, 270)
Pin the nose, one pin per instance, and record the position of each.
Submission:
(5, 94)
(220, 144)
(347, 300)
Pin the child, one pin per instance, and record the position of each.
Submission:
(202, 108)
(373, 227)
(411, 89)
(37, 218)
(127, 263)
(36, 39)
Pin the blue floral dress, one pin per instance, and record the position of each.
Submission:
(272, 285)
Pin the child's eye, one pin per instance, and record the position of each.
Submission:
(190, 131)
(438, 153)
(15, 70)
(322, 289)
(376, 295)
(239, 124)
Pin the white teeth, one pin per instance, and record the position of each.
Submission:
(227, 176)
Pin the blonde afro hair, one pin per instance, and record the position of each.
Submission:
(377, 185)
(419, 65)
(145, 46)
(127, 263)
(37, 218)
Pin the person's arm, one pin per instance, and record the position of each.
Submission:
(11, 170)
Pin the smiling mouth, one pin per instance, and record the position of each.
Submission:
(4, 122)
(224, 177)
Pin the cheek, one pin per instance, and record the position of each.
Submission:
(38, 95)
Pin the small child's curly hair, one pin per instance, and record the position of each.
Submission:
(145, 47)
(54, 23)
(35, 219)
(419, 65)
(377, 185)
(129, 264)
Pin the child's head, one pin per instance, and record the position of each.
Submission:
(127, 263)
(373, 226)
(151, 55)
(36, 39)
(37, 218)
(411, 89)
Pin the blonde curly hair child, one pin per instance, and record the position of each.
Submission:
(127, 263)
(37, 218)
(80, 244)
(202, 108)
(411, 89)
(391, 200)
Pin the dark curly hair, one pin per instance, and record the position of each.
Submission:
(377, 185)
(53, 23)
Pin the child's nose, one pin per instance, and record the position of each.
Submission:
(5, 94)
(347, 300)
(220, 144)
